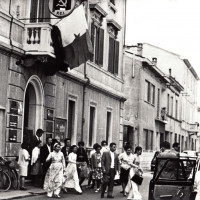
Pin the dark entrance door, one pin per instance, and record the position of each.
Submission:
(128, 135)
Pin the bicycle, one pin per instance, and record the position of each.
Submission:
(5, 181)
(8, 169)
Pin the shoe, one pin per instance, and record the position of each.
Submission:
(65, 190)
(97, 190)
(110, 197)
(23, 188)
(57, 196)
(102, 196)
(79, 193)
(122, 192)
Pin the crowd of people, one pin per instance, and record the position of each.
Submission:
(65, 168)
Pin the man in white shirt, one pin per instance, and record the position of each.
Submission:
(110, 166)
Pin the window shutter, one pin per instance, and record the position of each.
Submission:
(101, 46)
(111, 55)
(96, 45)
(33, 14)
(44, 11)
(116, 57)
(92, 38)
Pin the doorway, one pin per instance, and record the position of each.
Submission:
(33, 108)
(128, 135)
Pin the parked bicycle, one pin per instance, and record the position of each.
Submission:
(8, 175)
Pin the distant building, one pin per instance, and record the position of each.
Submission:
(85, 103)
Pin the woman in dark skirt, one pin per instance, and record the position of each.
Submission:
(126, 160)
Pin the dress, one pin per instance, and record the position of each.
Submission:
(54, 176)
(124, 160)
(97, 174)
(23, 164)
(71, 179)
(132, 188)
(35, 162)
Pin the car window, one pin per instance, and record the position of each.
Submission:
(173, 169)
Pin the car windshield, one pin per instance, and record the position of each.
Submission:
(174, 169)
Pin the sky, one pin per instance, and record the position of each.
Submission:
(173, 25)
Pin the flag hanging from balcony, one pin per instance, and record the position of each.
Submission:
(71, 40)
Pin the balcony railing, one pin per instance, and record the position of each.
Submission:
(38, 39)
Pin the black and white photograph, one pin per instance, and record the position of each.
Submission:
(100, 99)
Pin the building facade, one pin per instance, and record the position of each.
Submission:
(85, 103)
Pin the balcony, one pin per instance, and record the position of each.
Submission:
(37, 39)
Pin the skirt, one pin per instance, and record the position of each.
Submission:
(97, 174)
(23, 170)
(124, 175)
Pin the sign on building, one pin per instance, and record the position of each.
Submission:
(62, 8)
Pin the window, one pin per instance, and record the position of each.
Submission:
(168, 104)
(175, 137)
(113, 56)
(147, 90)
(39, 11)
(91, 125)
(176, 114)
(152, 94)
(158, 104)
(71, 118)
(97, 37)
(148, 141)
(172, 106)
(108, 126)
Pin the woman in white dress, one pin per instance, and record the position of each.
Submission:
(54, 176)
(71, 179)
(132, 188)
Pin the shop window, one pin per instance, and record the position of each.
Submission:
(39, 11)
(71, 118)
(91, 125)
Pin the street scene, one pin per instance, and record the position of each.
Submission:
(99, 99)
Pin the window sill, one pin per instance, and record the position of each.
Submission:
(112, 7)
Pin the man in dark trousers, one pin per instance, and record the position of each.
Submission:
(110, 166)
(44, 152)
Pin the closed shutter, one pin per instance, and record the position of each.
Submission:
(111, 55)
(33, 14)
(44, 13)
(92, 39)
(97, 45)
(101, 46)
(116, 57)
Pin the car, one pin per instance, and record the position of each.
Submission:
(173, 179)
(153, 161)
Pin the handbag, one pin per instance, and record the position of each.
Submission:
(137, 179)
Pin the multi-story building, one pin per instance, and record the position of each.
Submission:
(84, 103)
(148, 118)
(182, 71)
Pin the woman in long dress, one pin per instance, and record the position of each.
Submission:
(54, 176)
(71, 179)
(132, 188)
(126, 160)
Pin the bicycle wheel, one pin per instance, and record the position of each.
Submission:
(5, 181)
(14, 179)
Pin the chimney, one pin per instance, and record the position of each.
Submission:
(154, 61)
(170, 71)
(139, 49)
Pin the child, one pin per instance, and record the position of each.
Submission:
(23, 162)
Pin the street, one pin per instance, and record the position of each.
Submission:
(90, 194)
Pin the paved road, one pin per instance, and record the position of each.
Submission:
(89, 194)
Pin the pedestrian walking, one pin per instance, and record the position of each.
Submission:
(23, 162)
(132, 188)
(83, 159)
(126, 160)
(66, 150)
(96, 167)
(54, 176)
(36, 164)
(44, 152)
(104, 146)
(71, 179)
(109, 163)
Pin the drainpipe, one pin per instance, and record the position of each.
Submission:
(83, 101)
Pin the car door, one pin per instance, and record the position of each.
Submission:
(172, 180)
